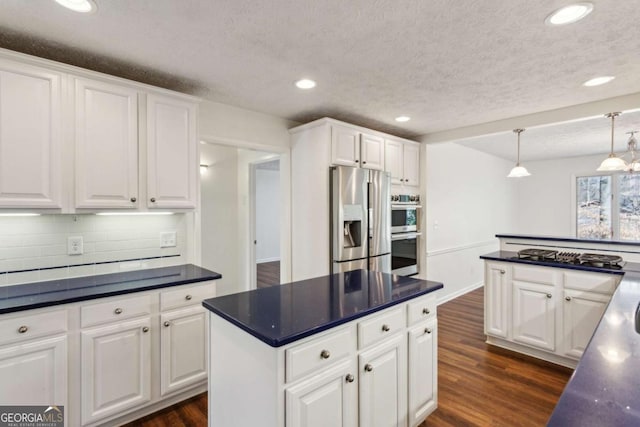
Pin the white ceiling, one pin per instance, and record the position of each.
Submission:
(447, 64)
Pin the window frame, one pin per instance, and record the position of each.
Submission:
(615, 202)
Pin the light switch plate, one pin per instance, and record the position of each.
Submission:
(75, 245)
(168, 239)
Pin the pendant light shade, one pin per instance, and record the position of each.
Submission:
(613, 162)
(518, 171)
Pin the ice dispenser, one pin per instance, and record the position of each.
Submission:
(352, 226)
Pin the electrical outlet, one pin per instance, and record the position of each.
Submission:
(75, 246)
(168, 239)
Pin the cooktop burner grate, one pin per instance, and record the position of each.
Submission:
(537, 254)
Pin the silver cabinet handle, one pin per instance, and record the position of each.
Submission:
(153, 200)
(427, 330)
(567, 298)
(145, 329)
(118, 310)
(350, 378)
(368, 367)
(548, 295)
(385, 328)
(502, 271)
(133, 199)
(425, 311)
(325, 354)
(167, 323)
(188, 297)
(22, 329)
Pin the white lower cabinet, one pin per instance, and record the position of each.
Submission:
(116, 368)
(183, 348)
(554, 311)
(383, 384)
(34, 373)
(423, 365)
(329, 398)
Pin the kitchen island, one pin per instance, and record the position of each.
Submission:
(354, 348)
(603, 390)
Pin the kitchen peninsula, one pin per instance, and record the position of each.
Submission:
(576, 313)
(353, 348)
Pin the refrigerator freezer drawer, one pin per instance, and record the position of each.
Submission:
(358, 264)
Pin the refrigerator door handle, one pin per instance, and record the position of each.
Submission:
(370, 222)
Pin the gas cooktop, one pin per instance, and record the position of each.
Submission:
(593, 260)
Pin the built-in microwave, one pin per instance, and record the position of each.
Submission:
(404, 253)
(404, 218)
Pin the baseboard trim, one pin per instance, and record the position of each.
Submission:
(461, 292)
(532, 352)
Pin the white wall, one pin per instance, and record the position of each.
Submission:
(545, 200)
(35, 248)
(267, 215)
(469, 200)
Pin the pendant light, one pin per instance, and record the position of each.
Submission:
(518, 171)
(613, 162)
(632, 148)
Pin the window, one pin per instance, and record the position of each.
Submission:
(608, 207)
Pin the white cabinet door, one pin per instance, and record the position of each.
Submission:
(496, 299)
(393, 160)
(582, 312)
(30, 136)
(34, 373)
(183, 348)
(116, 368)
(172, 152)
(411, 164)
(106, 145)
(329, 398)
(534, 315)
(345, 146)
(372, 151)
(423, 371)
(383, 384)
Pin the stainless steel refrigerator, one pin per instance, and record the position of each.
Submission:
(360, 219)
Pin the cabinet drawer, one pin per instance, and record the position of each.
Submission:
(317, 354)
(186, 295)
(594, 282)
(115, 310)
(542, 275)
(380, 326)
(32, 326)
(421, 309)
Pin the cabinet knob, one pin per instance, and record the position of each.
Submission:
(385, 328)
(22, 329)
(357, 161)
(502, 271)
(145, 329)
(567, 298)
(401, 180)
(427, 330)
(406, 180)
(425, 311)
(118, 310)
(364, 162)
(167, 323)
(325, 354)
(153, 200)
(188, 297)
(368, 367)
(133, 200)
(350, 378)
(548, 295)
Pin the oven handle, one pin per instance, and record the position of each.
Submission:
(405, 236)
(405, 207)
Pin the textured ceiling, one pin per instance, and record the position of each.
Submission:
(447, 64)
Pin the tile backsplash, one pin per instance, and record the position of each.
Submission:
(35, 248)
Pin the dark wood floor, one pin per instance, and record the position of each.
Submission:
(268, 274)
(477, 384)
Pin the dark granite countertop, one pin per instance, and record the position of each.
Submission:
(54, 292)
(279, 315)
(566, 239)
(604, 390)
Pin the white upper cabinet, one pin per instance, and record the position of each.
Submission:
(372, 151)
(106, 134)
(402, 161)
(345, 146)
(172, 163)
(30, 136)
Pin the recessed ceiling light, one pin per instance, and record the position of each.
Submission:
(598, 81)
(569, 14)
(403, 119)
(305, 84)
(82, 6)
